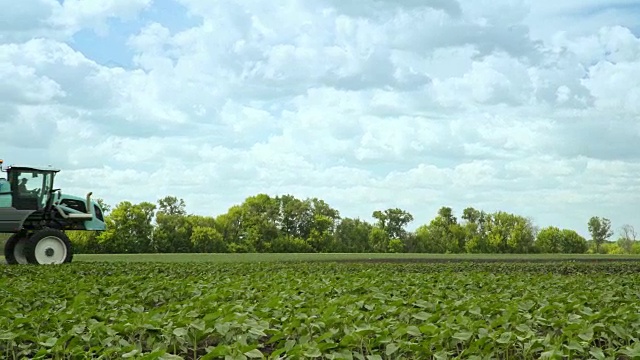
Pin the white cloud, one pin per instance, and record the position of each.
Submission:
(420, 105)
(24, 20)
(78, 14)
(547, 19)
(616, 86)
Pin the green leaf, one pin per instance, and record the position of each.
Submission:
(50, 342)
(391, 348)
(198, 324)
(8, 335)
(217, 351)
(257, 332)
(463, 335)
(597, 353)
(632, 352)
(413, 330)
(78, 329)
(130, 353)
(289, 344)
(574, 345)
(254, 354)
(548, 354)
(180, 332)
(504, 338)
(421, 316)
(587, 334)
(223, 329)
(312, 352)
(170, 357)
(154, 355)
(428, 328)
(475, 311)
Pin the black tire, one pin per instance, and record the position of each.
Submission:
(10, 246)
(57, 250)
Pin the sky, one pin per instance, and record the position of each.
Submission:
(530, 107)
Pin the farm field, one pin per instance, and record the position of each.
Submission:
(332, 309)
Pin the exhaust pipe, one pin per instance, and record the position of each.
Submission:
(89, 201)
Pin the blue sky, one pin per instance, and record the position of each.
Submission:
(529, 106)
(111, 49)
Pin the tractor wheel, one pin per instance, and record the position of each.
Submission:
(14, 249)
(48, 246)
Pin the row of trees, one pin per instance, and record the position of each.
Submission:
(287, 224)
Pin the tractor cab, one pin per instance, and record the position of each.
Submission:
(27, 188)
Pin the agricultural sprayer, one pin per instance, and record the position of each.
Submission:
(37, 216)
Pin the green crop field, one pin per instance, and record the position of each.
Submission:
(109, 306)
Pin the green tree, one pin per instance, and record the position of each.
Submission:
(472, 215)
(260, 222)
(295, 217)
(442, 235)
(446, 214)
(84, 242)
(475, 230)
(573, 243)
(231, 225)
(509, 233)
(627, 238)
(393, 222)
(251, 226)
(321, 208)
(171, 205)
(379, 240)
(287, 224)
(396, 246)
(207, 239)
(352, 235)
(202, 221)
(549, 240)
(129, 228)
(172, 232)
(321, 236)
(291, 244)
(430, 239)
(600, 230)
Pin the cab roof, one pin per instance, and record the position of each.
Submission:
(32, 168)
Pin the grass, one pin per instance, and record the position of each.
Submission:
(270, 257)
(287, 257)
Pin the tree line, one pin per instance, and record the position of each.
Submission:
(286, 224)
